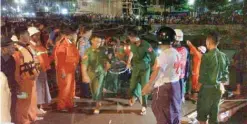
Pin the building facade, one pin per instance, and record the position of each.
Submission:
(105, 7)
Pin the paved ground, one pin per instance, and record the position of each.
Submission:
(114, 111)
(239, 118)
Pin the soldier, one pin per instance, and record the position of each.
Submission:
(166, 102)
(94, 67)
(213, 74)
(111, 80)
(141, 57)
(8, 67)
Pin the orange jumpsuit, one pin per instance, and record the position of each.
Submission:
(66, 58)
(195, 67)
(26, 73)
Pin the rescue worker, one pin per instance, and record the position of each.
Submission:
(43, 92)
(94, 67)
(240, 63)
(197, 55)
(66, 58)
(7, 68)
(184, 55)
(213, 74)
(26, 73)
(164, 81)
(141, 58)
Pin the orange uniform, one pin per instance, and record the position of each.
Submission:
(26, 73)
(197, 55)
(42, 56)
(66, 58)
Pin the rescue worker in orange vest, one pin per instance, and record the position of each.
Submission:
(66, 58)
(26, 73)
(43, 92)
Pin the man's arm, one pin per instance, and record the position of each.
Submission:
(129, 60)
(203, 70)
(84, 64)
(149, 86)
(225, 69)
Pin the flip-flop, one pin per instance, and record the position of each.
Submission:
(143, 111)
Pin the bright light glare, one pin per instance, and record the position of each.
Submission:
(191, 2)
(13, 8)
(46, 8)
(229, 0)
(57, 5)
(27, 13)
(33, 14)
(137, 17)
(23, 1)
(4, 9)
(158, 51)
(16, 1)
(73, 5)
(64, 11)
(18, 9)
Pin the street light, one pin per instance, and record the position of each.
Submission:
(23, 1)
(191, 2)
(46, 8)
(64, 11)
(18, 9)
(4, 9)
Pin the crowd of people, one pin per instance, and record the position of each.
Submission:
(28, 49)
(203, 19)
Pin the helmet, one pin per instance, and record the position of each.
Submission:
(179, 34)
(203, 49)
(165, 35)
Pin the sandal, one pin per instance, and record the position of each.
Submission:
(143, 111)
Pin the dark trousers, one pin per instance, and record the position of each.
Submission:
(84, 89)
(13, 106)
(166, 103)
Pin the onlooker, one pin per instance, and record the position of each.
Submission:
(8, 67)
(240, 63)
(167, 92)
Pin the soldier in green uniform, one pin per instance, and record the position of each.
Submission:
(111, 79)
(213, 74)
(142, 55)
(94, 68)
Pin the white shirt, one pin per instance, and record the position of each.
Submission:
(5, 100)
(169, 63)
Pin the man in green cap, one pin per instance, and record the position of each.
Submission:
(142, 58)
(213, 74)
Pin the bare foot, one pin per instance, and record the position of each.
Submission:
(236, 92)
